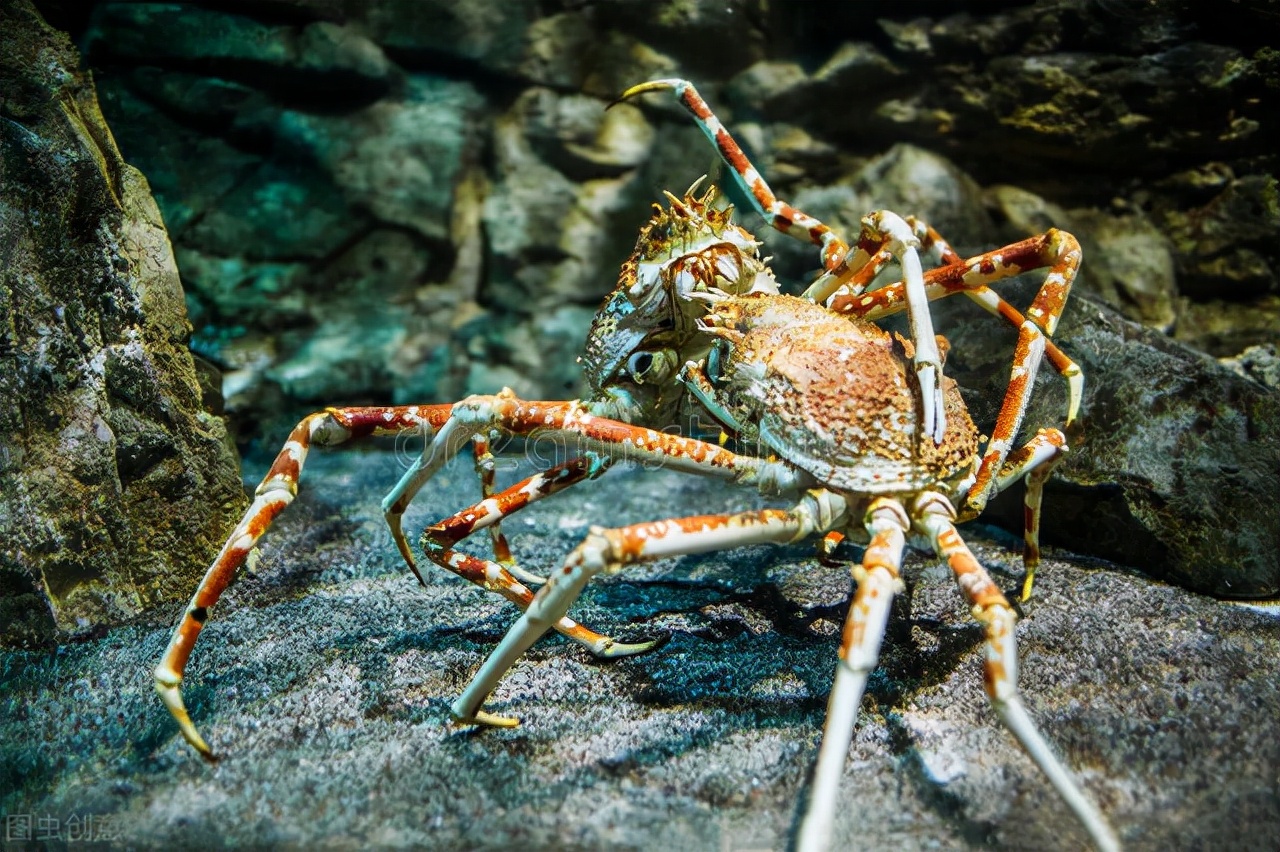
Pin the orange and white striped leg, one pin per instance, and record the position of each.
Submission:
(439, 539)
(571, 423)
(486, 471)
(875, 246)
(878, 581)
(276, 491)
(779, 214)
(611, 550)
(1055, 249)
(1034, 462)
(1027, 354)
(934, 518)
(932, 241)
(881, 231)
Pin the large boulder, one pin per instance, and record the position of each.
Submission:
(116, 486)
(1176, 467)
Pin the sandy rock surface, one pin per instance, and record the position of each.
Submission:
(324, 679)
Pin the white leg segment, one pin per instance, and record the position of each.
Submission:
(878, 582)
(610, 550)
(933, 518)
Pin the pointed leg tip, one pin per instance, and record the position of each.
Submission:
(629, 649)
(484, 719)
(650, 86)
(1026, 587)
(523, 575)
(167, 686)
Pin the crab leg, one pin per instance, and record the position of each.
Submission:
(857, 281)
(1055, 249)
(878, 582)
(486, 470)
(875, 245)
(934, 518)
(276, 491)
(1034, 462)
(612, 439)
(880, 231)
(779, 214)
(611, 550)
(438, 541)
(1026, 362)
(903, 244)
(931, 240)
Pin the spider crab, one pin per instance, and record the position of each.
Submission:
(859, 428)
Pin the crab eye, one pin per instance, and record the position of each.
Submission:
(651, 366)
(639, 363)
(715, 361)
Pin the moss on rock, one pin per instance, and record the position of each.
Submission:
(116, 487)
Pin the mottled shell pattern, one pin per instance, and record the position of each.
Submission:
(834, 397)
(690, 247)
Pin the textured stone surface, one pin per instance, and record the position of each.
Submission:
(324, 680)
(116, 487)
(1177, 463)
(306, 123)
(374, 206)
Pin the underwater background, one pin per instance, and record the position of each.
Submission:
(220, 216)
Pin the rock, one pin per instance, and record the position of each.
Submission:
(1224, 329)
(116, 487)
(331, 659)
(782, 90)
(1260, 363)
(1131, 265)
(297, 253)
(914, 182)
(854, 67)
(1023, 213)
(294, 61)
(579, 137)
(487, 33)
(1178, 465)
(775, 88)
(398, 159)
(706, 39)
(554, 240)
(1223, 245)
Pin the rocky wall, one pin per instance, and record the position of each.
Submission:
(116, 486)
(411, 202)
